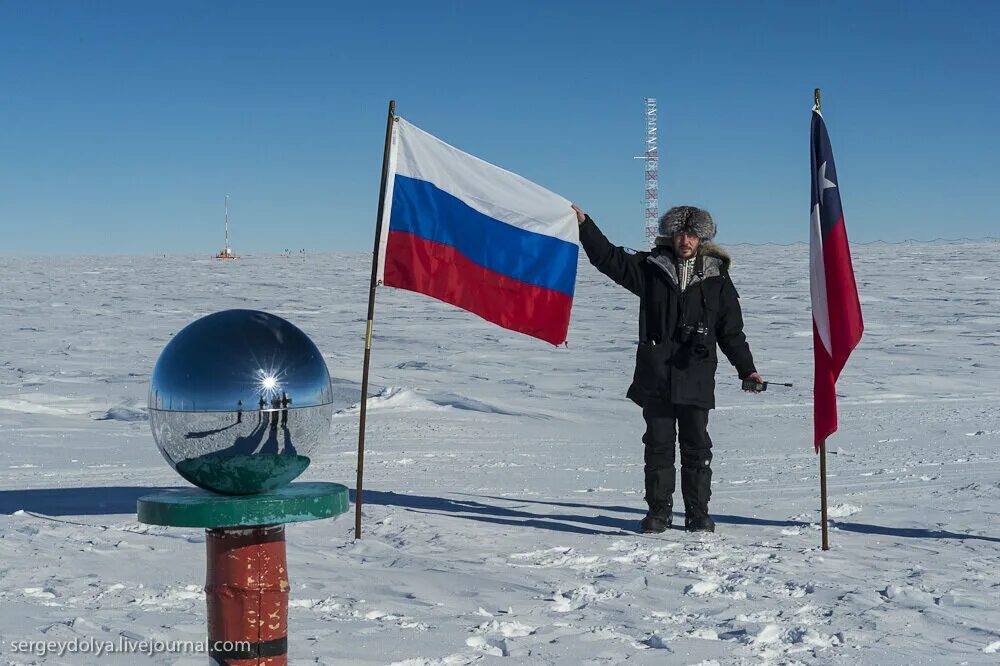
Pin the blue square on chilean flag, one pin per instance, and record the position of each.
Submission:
(825, 191)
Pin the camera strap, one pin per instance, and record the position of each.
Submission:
(699, 271)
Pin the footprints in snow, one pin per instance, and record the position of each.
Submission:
(715, 573)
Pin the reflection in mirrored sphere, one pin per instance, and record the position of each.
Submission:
(238, 402)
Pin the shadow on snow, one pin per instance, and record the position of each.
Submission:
(589, 519)
(100, 501)
(593, 516)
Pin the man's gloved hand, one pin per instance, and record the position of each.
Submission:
(756, 378)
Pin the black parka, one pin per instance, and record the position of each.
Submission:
(668, 369)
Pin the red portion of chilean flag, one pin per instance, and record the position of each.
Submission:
(837, 321)
(845, 325)
(442, 272)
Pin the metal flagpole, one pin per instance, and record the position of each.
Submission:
(822, 450)
(371, 317)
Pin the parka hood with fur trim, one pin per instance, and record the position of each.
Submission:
(715, 261)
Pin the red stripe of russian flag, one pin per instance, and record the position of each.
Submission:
(440, 271)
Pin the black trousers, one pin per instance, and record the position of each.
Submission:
(665, 424)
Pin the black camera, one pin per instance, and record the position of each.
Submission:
(696, 335)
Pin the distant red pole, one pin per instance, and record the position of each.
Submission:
(246, 590)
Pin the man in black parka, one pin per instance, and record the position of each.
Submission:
(687, 305)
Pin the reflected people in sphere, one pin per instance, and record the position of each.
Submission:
(231, 449)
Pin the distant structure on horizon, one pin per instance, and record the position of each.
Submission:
(651, 203)
(227, 252)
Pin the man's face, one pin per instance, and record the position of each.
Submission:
(686, 244)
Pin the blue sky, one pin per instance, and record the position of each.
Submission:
(124, 124)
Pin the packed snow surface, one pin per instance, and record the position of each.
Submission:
(503, 477)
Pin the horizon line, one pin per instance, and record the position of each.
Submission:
(245, 255)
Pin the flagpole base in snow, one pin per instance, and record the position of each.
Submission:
(246, 582)
(824, 516)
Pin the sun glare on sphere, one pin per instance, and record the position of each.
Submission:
(268, 382)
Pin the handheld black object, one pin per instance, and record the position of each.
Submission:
(757, 387)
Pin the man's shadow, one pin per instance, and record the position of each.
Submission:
(595, 517)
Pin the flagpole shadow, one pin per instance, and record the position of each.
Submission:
(908, 532)
(490, 513)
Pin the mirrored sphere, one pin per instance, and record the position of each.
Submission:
(238, 402)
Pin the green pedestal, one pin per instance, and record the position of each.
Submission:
(296, 502)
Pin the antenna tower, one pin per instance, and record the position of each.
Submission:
(651, 203)
(227, 252)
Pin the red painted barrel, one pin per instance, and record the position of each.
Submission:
(247, 593)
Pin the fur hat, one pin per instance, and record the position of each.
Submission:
(685, 218)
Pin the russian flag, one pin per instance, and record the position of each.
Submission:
(836, 309)
(474, 235)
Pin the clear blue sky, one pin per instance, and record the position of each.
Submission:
(124, 124)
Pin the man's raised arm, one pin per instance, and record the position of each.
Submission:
(620, 265)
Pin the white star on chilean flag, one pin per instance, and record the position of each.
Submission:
(837, 323)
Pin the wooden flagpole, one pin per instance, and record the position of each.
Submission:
(822, 450)
(371, 318)
(822, 493)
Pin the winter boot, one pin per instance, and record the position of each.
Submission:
(657, 521)
(696, 486)
(699, 523)
(659, 498)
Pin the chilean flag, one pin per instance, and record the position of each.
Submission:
(837, 325)
(474, 235)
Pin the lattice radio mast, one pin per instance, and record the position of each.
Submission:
(227, 252)
(651, 203)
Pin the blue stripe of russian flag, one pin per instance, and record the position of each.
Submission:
(428, 212)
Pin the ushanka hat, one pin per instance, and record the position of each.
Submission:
(685, 218)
